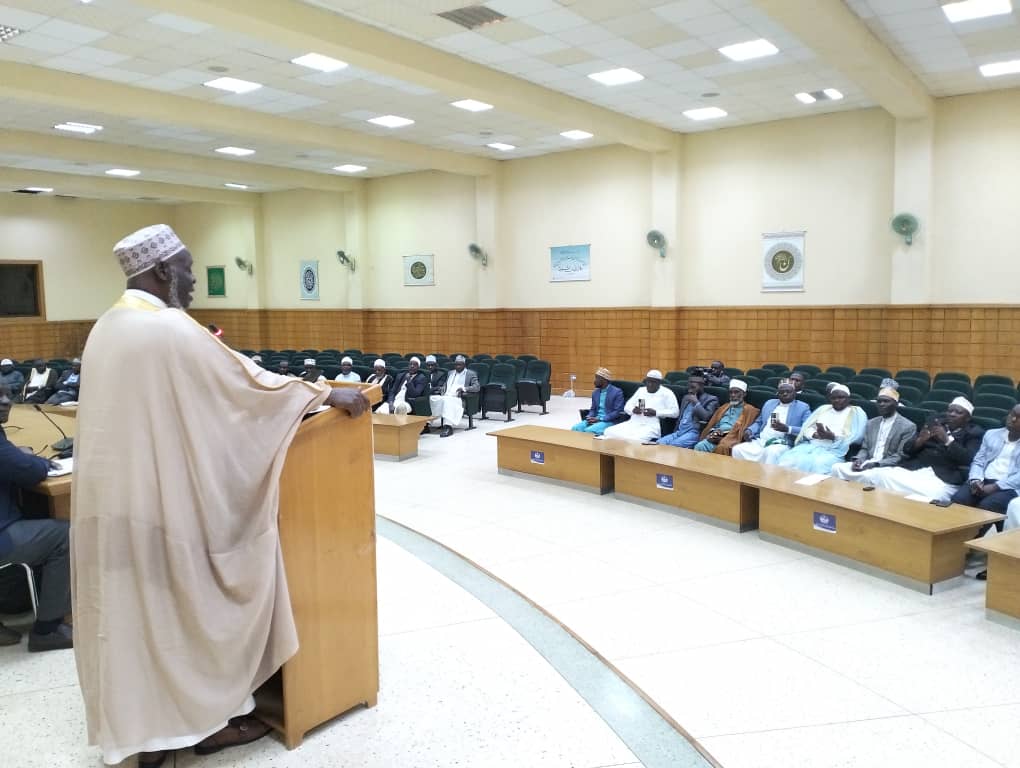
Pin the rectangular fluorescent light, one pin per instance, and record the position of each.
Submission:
(126, 172)
(86, 128)
(471, 105)
(236, 151)
(350, 168)
(319, 62)
(391, 121)
(975, 9)
(231, 185)
(576, 135)
(1001, 68)
(833, 94)
(620, 76)
(805, 98)
(501, 146)
(38, 190)
(752, 49)
(705, 113)
(6, 33)
(233, 85)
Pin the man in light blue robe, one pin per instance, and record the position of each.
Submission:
(827, 434)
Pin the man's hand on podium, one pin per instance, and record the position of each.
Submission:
(348, 399)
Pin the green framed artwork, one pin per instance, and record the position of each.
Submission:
(216, 279)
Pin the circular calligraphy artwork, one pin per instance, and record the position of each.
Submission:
(783, 261)
(419, 270)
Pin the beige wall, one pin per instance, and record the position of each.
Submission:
(216, 235)
(830, 175)
(74, 239)
(976, 228)
(420, 213)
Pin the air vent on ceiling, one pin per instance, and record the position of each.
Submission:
(6, 33)
(28, 191)
(821, 96)
(472, 16)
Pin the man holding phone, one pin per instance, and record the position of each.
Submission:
(994, 477)
(646, 406)
(777, 426)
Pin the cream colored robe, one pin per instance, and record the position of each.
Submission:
(180, 599)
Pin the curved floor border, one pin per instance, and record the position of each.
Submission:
(655, 739)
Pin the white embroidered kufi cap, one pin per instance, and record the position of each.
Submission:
(144, 249)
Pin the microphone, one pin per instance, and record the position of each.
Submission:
(61, 445)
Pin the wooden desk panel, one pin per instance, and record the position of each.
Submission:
(567, 457)
(397, 436)
(28, 427)
(1003, 594)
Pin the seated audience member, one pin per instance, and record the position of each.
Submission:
(716, 375)
(728, 423)
(346, 372)
(67, 385)
(40, 384)
(312, 372)
(409, 384)
(885, 438)
(994, 476)
(382, 378)
(797, 379)
(606, 405)
(696, 408)
(777, 426)
(937, 460)
(647, 405)
(827, 434)
(12, 378)
(42, 544)
(257, 359)
(283, 368)
(448, 404)
(436, 376)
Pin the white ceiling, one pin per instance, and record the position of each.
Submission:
(551, 43)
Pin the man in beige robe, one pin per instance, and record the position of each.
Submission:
(180, 597)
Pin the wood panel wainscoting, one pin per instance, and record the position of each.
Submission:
(974, 339)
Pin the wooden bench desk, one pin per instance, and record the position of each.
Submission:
(1002, 599)
(396, 437)
(557, 455)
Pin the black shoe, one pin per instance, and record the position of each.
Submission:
(57, 640)
(425, 430)
(447, 431)
(9, 636)
(152, 759)
(983, 576)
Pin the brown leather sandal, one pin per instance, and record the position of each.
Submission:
(237, 731)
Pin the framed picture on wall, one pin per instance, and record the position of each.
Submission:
(782, 266)
(420, 270)
(310, 280)
(216, 281)
(568, 263)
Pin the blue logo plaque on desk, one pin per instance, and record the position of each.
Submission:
(664, 482)
(825, 522)
(538, 457)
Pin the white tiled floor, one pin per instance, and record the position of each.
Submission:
(768, 656)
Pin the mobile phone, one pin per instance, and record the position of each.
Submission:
(940, 503)
(868, 488)
(641, 404)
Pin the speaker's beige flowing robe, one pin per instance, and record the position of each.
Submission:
(180, 599)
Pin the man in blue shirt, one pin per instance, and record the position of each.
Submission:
(606, 405)
(39, 543)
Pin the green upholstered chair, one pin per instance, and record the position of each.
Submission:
(992, 378)
(773, 382)
(751, 381)
(535, 387)
(817, 385)
(779, 368)
(813, 399)
(675, 376)
(962, 387)
(882, 373)
(527, 358)
(845, 371)
(987, 422)
(949, 376)
(505, 358)
(867, 378)
(862, 389)
(866, 405)
(999, 414)
(917, 415)
(988, 400)
(808, 370)
(758, 396)
(913, 373)
(941, 396)
(910, 395)
(330, 371)
(519, 367)
(482, 369)
(830, 376)
(923, 385)
(760, 373)
(731, 372)
(364, 371)
(995, 389)
(500, 393)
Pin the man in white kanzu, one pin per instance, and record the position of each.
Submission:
(180, 597)
(647, 405)
(449, 406)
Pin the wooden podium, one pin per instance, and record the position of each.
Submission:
(327, 530)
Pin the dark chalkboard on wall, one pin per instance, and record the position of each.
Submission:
(21, 289)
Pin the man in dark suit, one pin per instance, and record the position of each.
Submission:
(885, 438)
(410, 384)
(606, 405)
(382, 378)
(67, 385)
(437, 376)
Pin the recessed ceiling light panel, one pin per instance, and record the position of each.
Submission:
(620, 76)
(350, 168)
(232, 84)
(391, 121)
(576, 135)
(236, 151)
(231, 185)
(471, 105)
(752, 49)
(319, 62)
(125, 172)
(833, 94)
(705, 113)
(86, 128)
(501, 146)
(36, 190)
(1000, 68)
(6, 33)
(966, 10)
(805, 98)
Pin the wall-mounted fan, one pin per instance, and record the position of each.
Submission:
(905, 225)
(477, 252)
(244, 265)
(346, 259)
(658, 241)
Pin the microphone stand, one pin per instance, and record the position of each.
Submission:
(60, 446)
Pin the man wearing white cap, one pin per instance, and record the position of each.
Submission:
(346, 371)
(312, 372)
(777, 426)
(448, 405)
(937, 459)
(436, 375)
(827, 434)
(409, 384)
(646, 406)
(382, 378)
(607, 407)
(11, 378)
(885, 438)
(994, 477)
(726, 427)
(180, 598)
